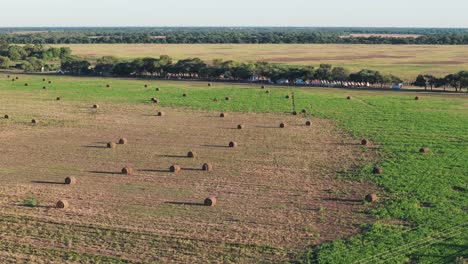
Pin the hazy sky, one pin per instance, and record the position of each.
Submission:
(366, 13)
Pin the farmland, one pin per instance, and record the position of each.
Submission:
(405, 61)
(283, 194)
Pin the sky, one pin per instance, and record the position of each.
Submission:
(237, 13)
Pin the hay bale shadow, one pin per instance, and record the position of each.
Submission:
(346, 200)
(266, 126)
(106, 172)
(215, 146)
(94, 146)
(48, 182)
(155, 170)
(36, 206)
(185, 203)
(173, 156)
(192, 169)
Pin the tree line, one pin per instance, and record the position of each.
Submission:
(166, 67)
(30, 58)
(233, 35)
(457, 81)
(195, 68)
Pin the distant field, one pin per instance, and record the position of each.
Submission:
(406, 61)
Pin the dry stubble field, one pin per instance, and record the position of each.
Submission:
(277, 190)
(405, 61)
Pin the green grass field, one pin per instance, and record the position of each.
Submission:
(406, 61)
(422, 217)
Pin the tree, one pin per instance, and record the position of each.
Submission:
(36, 64)
(324, 72)
(151, 65)
(4, 62)
(420, 81)
(339, 74)
(16, 53)
(65, 52)
(430, 80)
(75, 65)
(463, 77)
(365, 75)
(244, 71)
(124, 69)
(105, 65)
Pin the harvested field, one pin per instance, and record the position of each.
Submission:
(269, 207)
(280, 194)
(406, 61)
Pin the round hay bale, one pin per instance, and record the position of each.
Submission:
(108, 85)
(127, 171)
(240, 126)
(123, 141)
(158, 89)
(349, 97)
(70, 180)
(8, 76)
(288, 96)
(416, 98)
(174, 168)
(17, 78)
(43, 79)
(210, 201)
(184, 95)
(192, 154)
(34, 121)
(263, 86)
(96, 106)
(303, 111)
(377, 170)
(222, 115)
(215, 99)
(282, 125)
(227, 98)
(160, 113)
(232, 144)
(111, 145)
(372, 197)
(26, 84)
(62, 204)
(308, 123)
(267, 91)
(12, 80)
(364, 142)
(424, 150)
(294, 113)
(6, 117)
(58, 98)
(50, 81)
(146, 86)
(43, 87)
(209, 84)
(207, 167)
(154, 100)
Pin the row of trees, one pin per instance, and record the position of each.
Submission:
(457, 80)
(30, 57)
(235, 35)
(165, 67)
